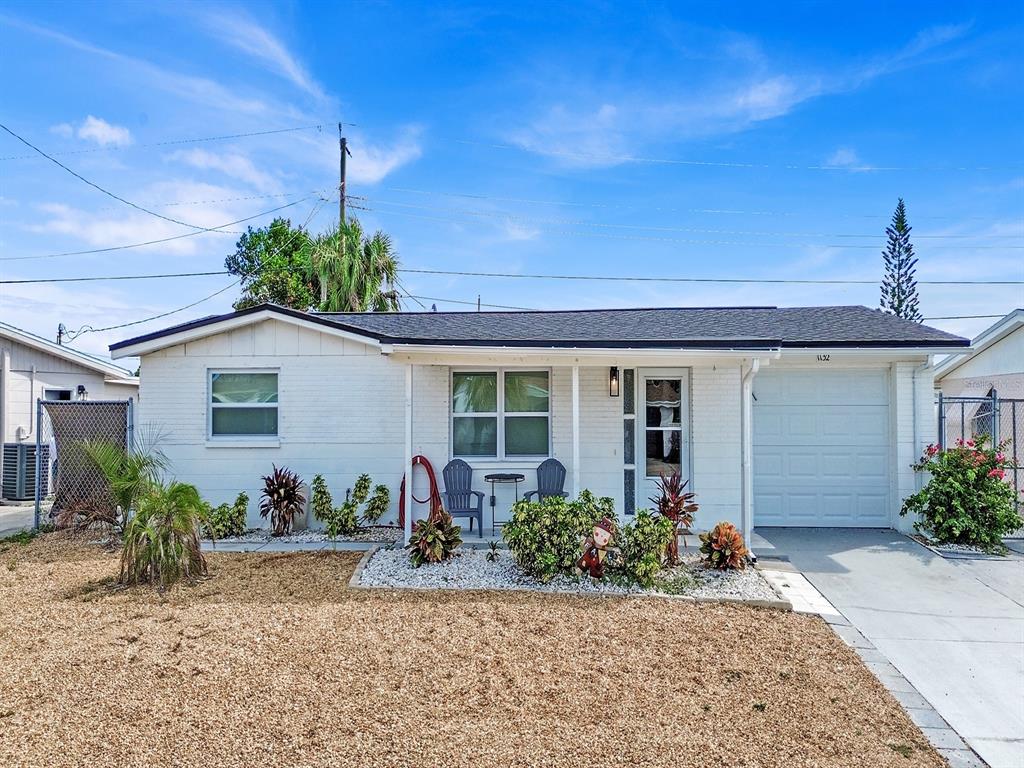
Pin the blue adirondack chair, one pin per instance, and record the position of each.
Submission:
(550, 480)
(459, 498)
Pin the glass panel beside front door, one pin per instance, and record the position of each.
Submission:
(663, 425)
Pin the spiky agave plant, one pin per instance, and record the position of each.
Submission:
(723, 547)
(434, 540)
(161, 541)
(677, 504)
(282, 499)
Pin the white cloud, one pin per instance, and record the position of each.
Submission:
(231, 164)
(615, 130)
(845, 157)
(239, 31)
(371, 162)
(198, 90)
(103, 133)
(64, 130)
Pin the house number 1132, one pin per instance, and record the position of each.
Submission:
(824, 358)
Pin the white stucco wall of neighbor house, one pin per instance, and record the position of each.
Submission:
(341, 413)
(999, 366)
(30, 374)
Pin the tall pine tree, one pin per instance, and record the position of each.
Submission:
(899, 286)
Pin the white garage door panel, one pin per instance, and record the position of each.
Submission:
(821, 448)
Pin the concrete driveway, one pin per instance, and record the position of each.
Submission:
(15, 518)
(953, 628)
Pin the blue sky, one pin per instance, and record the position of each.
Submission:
(644, 139)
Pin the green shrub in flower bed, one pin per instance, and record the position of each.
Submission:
(967, 500)
(544, 537)
(227, 520)
(644, 542)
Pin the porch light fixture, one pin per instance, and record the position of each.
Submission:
(82, 392)
(613, 382)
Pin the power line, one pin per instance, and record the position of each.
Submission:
(629, 278)
(93, 278)
(659, 209)
(96, 186)
(656, 228)
(89, 329)
(470, 303)
(963, 317)
(172, 142)
(677, 240)
(222, 229)
(719, 164)
(221, 200)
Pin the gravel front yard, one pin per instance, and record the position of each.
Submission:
(470, 569)
(273, 662)
(376, 533)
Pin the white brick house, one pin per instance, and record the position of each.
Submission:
(802, 416)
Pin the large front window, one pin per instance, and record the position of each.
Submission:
(243, 404)
(501, 414)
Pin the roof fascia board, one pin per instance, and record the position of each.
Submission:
(233, 322)
(438, 354)
(65, 353)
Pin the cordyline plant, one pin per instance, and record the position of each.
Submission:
(723, 547)
(967, 500)
(675, 503)
(282, 499)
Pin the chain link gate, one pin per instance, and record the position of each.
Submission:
(63, 470)
(999, 417)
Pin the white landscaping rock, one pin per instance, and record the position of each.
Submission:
(387, 534)
(470, 569)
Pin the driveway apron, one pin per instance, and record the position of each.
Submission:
(953, 628)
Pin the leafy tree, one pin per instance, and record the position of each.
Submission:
(273, 264)
(359, 278)
(899, 286)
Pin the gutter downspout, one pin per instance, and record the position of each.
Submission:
(747, 449)
(5, 380)
(32, 406)
(918, 480)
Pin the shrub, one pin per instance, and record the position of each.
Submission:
(282, 499)
(378, 505)
(161, 541)
(338, 521)
(226, 520)
(644, 542)
(723, 547)
(677, 504)
(967, 500)
(361, 490)
(321, 501)
(544, 537)
(434, 540)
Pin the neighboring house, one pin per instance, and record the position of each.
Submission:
(798, 416)
(31, 368)
(995, 361)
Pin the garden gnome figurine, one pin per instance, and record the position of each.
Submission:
(595, 549)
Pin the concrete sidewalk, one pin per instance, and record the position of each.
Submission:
(16, 517)
(953, 628)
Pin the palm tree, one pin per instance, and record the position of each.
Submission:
(361, 277)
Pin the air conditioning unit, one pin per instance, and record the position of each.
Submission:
(19, 471)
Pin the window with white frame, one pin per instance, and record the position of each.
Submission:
(243, 404)
(501, 414)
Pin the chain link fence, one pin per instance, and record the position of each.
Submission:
(64, 474)
(961, 418)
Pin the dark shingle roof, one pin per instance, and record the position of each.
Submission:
(704, 326)
(700, 327)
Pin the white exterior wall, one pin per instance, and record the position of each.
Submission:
(914, 426)
(716, 444)
(999, 366)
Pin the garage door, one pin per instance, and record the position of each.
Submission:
(821, 448)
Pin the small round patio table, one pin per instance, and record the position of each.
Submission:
(502, 477)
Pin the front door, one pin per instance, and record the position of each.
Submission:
(663, 429)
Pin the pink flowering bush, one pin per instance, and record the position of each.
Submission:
(966, 501)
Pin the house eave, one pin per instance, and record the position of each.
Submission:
(991, 335)
(65, 353)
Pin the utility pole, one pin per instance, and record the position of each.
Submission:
(343, 147)
(61, 330)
